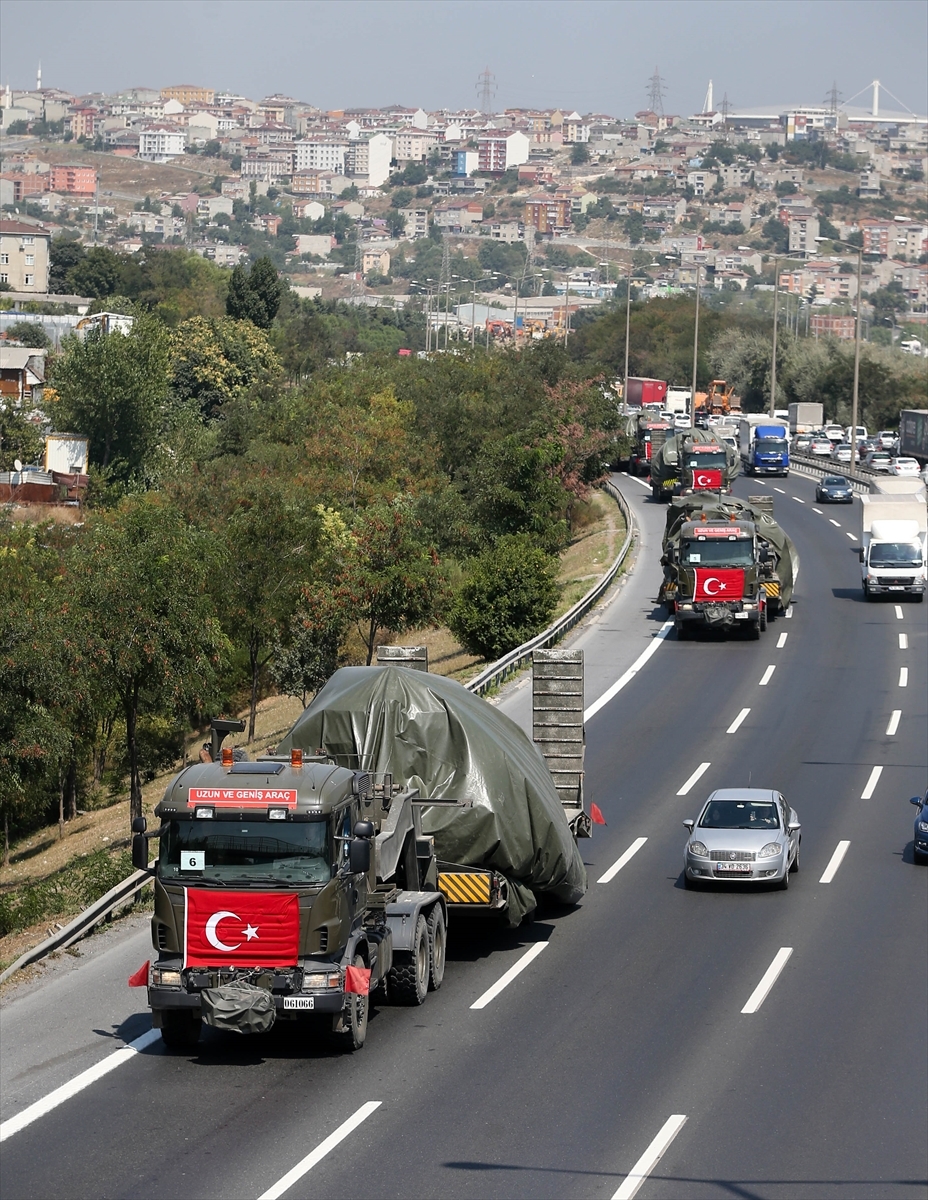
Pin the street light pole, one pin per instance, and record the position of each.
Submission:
(855, 393)
(773, 360)
(628, 310)
(695, 344)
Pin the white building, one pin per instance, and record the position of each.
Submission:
(369, 158)
(161, 143)
(322, 155)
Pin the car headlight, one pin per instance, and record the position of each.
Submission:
(923, 827)
(771, 850)
(698, 849)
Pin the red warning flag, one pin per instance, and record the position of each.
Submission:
(358, 980)
(596, 815)
(140, 978)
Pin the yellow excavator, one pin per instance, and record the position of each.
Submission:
(719, 401)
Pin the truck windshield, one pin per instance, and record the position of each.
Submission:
(715, 459)
(772, 445)
(246, 851)
(714, 552)
(895, 554)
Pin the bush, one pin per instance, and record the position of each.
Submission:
(509, 595)
(68, 891)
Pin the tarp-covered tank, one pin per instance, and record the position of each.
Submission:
(779, 573)
(430, 732)
(693, 460)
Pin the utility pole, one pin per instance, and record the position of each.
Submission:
(695, 342)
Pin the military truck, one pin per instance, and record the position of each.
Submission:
(291, 887)
(693, 461)
(726, 563)
(648, 431)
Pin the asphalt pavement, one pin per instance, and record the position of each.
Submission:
(622, 1056)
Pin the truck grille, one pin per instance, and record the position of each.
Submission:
(897, 580)
(731, 855)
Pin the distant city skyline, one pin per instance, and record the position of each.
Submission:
(594, 57)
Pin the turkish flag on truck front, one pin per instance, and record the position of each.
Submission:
(719, 583)
(241, 929)
(707, 479)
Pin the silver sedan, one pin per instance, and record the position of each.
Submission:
(743, 835)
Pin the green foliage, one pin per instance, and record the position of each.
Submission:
(776, 235)
(401, 198)
(509, 594)
(306, 653)
(255, 295)
(69, 891)
(579, 154)
(20, 437)
(215, 360)
(96, 274)
(30, 333)
(412, 175)
(634, 227)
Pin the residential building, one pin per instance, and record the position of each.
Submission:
(912, 241)
(321, 154)
(506, 231)
(81, 181)
(417, 223)
(22, 373)
(369, 158)
(375, 262)
(18, 187)
(465, 162)
(211, 206)
(413, 145)
(24, 256)
(869, 185)
(547, 214)
(702, 182)
(80, 122)
(661, 208)
(575, 129)
(319, 244)
(222, 253)
(458, 214)
(879, 237)
(189, 95)
(267, 164)
(830, 325)
(802, 234)
(308, 210)
(165, 226)
(498, 152)
(161, 143)
(737, 175)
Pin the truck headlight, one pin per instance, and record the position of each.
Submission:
(320, 979)
(771, 850)
(165, 977)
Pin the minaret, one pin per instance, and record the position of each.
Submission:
(38, 79)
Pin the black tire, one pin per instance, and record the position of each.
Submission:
(438, 945)
(683, 631)
(754, 630)
(353, 1022)
(795, 867)
(180, 1028)
(409, 976)
(762, 620)
(866, 588)
(919, 597)
(783, 885)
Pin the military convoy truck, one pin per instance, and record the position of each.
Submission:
(692, 461)
(292, 887)
(648, 431)
(727, 564)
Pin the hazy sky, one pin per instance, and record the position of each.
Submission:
(588, 55)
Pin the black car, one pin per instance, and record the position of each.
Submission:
(834, 489)
(920, 844)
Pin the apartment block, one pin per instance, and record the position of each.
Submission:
(189, 94)
(829, 325)
(24, 256)
(413, 145)
(161, 143)
(548, 214)
(81, 181)
(369, 158)
(417, 223)
(496, 153)
(322, 154)
(879, 237)
(802, 234)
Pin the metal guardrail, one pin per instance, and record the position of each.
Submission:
(498, 672)
(82, 924)
(859, 479)
(491, 676)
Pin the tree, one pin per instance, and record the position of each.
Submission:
(96, 274)
(306, 654)
(215, 360)
(634, 227)
(255, 295)
(401, 198)
(144, 616)
(391, 579)
(396, 223)
(30, 333)
(113, 387)
(579, 154)
(20, 437)
(64, 254)
(510, 594)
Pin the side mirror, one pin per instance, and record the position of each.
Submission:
(359, 856)
(363, 829)
(793, 827)
(861, 554)
(139, 849)
(689, 823)
(916, 800)
(139, 824)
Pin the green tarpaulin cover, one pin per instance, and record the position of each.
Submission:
(433, 734)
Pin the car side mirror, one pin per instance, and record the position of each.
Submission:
(861, 554)
(793, 827)
(916, 800)
(359, 856)
(140, 849)
(689, 823)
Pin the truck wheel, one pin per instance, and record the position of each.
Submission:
(438, 941)
(762, 620)
(866, 588)
(683, 631)
(180, 1029)
(354, 1017)
(754, 630)
(409, 976)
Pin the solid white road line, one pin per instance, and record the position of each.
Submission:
(834, 522)
(899, 612)
(641, 481)
(834, 862)
(694, 778)
(871, 783)
(798, 501)
(780, 490)
(819, 511)
(77, 1084)
(789, 612)
(759, 995)
(504, 981)
(315, 1156)
(903, 676)
(736, 724)
(651, 1157)
(903, 641)
(620, 863)
(632, 671)
(781, 640)
(893, 722)
(766, 677)
(852, 536)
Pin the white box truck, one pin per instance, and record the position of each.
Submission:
(804, 418)
(893, 535)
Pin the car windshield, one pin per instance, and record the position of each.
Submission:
(715, 459)
(834, 481)
(740, 814)
(895, 554)
(716, 552)
(246, 851)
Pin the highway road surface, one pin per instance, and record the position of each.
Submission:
(651, 1041)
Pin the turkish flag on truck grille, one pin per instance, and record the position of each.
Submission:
(721, 583)
(707, 479)
(242, 929)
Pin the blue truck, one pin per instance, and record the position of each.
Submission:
(764, 445)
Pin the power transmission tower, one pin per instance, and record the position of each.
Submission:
(357, 279)
(726, 109)
(656, 93)
(486, 88)
(832, 101)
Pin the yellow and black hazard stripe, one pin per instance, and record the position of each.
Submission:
(771, 587)
(465, 888)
